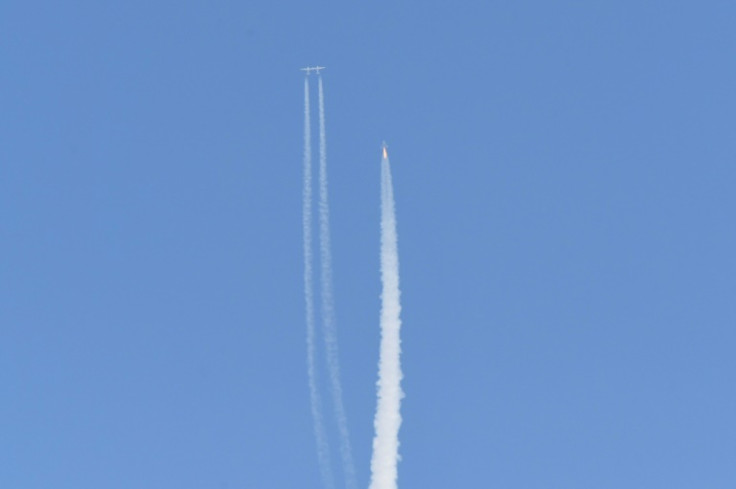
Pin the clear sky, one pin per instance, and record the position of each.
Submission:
(564, 179)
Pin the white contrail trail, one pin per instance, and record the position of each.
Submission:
(323, 452)
(328, 304)
(388, 411)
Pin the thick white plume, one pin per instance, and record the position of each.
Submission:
(323, 452)
(328, 304)
(388, 411)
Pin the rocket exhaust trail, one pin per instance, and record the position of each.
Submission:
(388, 410)
(323, 452)
(328, 304)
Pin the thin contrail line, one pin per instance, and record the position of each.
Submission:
(328, 304)
(388, 410)
(323, 450)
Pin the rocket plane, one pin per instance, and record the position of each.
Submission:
(384, 146)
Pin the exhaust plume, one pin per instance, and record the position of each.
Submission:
(328, 304)
(388, 410)
(323, 451)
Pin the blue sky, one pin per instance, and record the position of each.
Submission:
(564, 176)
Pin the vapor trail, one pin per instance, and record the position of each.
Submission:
(328, 304)
(323, 452)
(388, 411)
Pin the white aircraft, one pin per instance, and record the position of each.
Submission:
(310, 69)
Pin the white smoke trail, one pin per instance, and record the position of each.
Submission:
(328, 304)
(323, 452)
(388, 411)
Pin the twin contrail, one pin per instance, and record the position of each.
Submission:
(328, 303)
(323, 451)
(388, 411)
